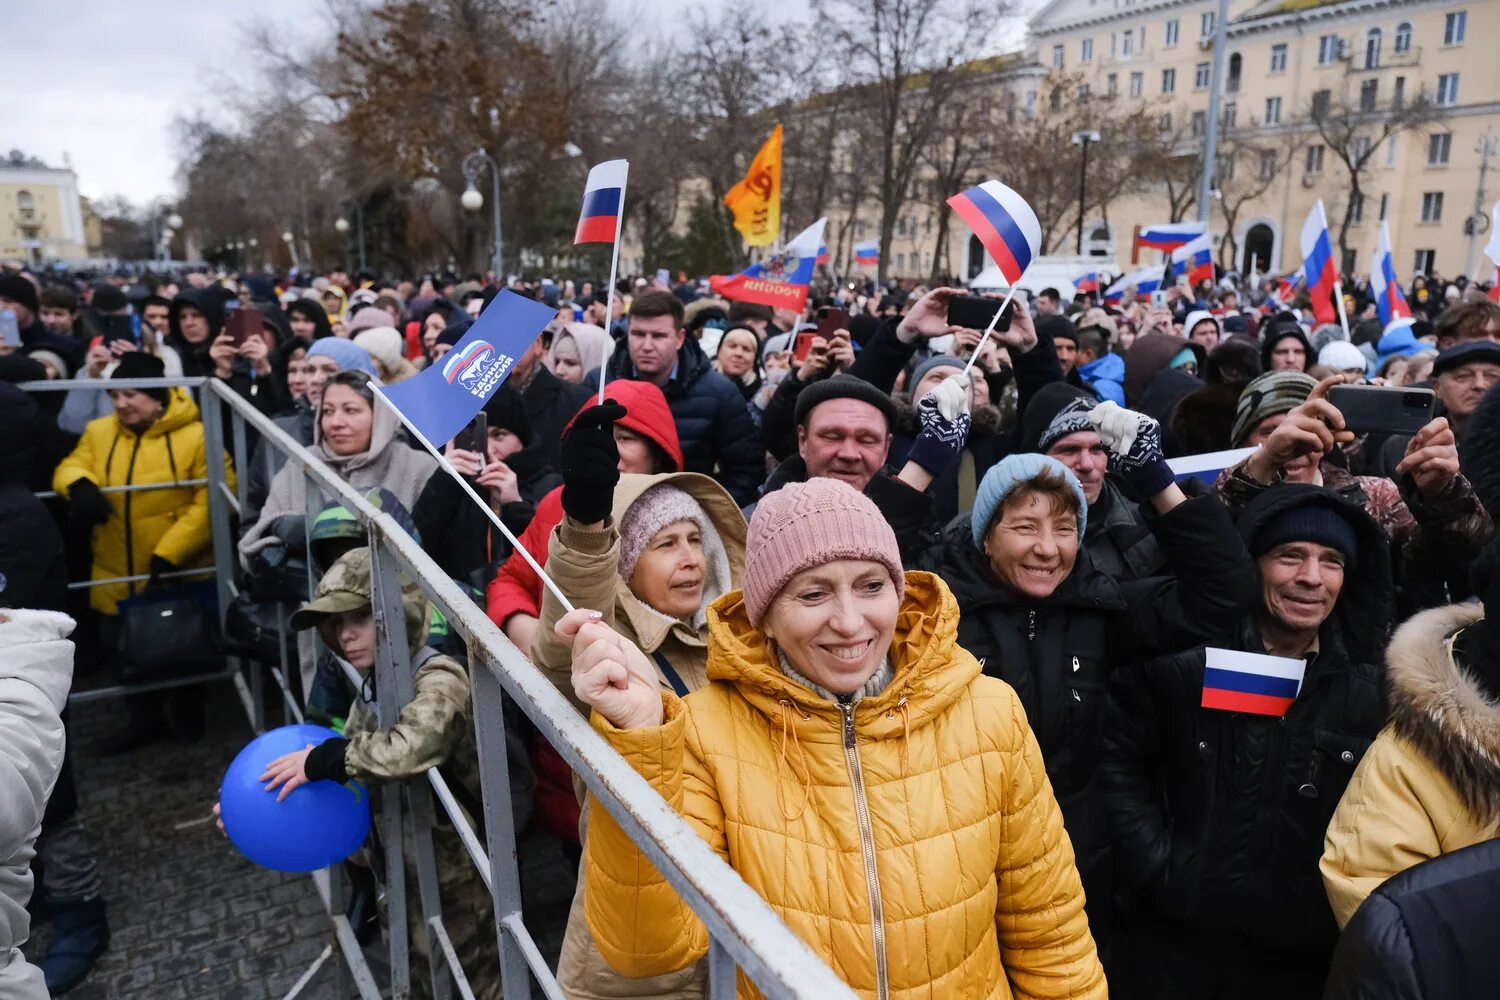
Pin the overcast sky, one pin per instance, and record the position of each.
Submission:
(102, 81)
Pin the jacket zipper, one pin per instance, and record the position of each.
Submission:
(129, 541)
(1031, 625)
(867, 846)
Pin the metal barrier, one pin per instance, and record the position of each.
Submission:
(744, 932)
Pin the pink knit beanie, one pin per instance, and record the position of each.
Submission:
(803, 525)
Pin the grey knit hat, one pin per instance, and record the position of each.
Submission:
(653, 510)
(1266, 396)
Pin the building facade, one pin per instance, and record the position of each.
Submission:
(41, 215)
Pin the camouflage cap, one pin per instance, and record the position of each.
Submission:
(345, 587)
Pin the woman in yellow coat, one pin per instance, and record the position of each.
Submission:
(153, 436)
(851, 762)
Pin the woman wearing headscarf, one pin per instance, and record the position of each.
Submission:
(738, 359)
(577, 349)
(307, 319)
(851, 761)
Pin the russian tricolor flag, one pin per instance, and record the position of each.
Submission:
(1383, 284)
(1195, 259)
(867, 253)
(1004, 223)
(822, 257)
(603, 195)
(1317, 264)
(1086, 282)
(782, 279)
(1170, 235)
(1492, 249)
(1235, 681)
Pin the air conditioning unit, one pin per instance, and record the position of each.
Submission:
(1206, 42)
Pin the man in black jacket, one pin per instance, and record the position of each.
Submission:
(1218, 816)
(714, 426)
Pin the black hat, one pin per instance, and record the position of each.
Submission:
(1464, 353)
(1050, 400)
(139, 364)
(844, 386)
(19, 289)
(506, 410)
(1310, 522)
(108, 298)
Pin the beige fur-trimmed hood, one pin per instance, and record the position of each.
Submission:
(1442, 711)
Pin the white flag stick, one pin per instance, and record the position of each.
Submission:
(609, 295)
(464, 485)
(1338, 298)
(991, 328)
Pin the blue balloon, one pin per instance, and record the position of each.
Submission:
(319, 824)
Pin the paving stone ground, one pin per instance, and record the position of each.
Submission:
(189, 916)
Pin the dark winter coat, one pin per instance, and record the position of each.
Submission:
(1119, 540)
(718, 436)
(954, 490)
(1058, 652)
(1428, 933)
(1218, 817)
(550, 403)
(33, 572)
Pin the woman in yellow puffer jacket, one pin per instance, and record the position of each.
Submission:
(153, 436)
(851, 762)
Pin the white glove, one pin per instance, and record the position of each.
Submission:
(950, 396)
(1117, 426)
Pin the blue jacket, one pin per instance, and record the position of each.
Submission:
(718, 436)
(1106, 377)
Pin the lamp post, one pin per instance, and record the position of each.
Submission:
(473, 201)
(291, 246)
(1211, 136)
(1082, 138)
(342, 225)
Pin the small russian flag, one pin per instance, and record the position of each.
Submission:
(599, 219)
(1389, 301)
(1086, 282)
(1317, 264)
(822, 257)
(1235, 681)
(1004, 223)
(1195, 259)
(867, 253)
(1169, 236)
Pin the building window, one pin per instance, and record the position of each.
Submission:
(1372, 48)
(1231, 112)
(1127, 44)
(900, 262)
(1360, 151)
(1168, 81)
(1315, 159)
(1143, 38)
(1236, 62)
(1439, 145)
(1432, 206)
(1273, 111)
(1267, 164)
(25, 203)
(1390, 151)
(1170, 41)
(1385, 204)
(1083, 91)
(1426, 261)
(1454, 26)
(1114, 44)
(1320, 102)
(1086, 50)
(1200, 123)
(1137, 84)
(1447, 92)
(1057, 57)
(1369, 92)
(901, 226)
(1112, 84)
(1328, 49)
(1403, 38)
(1054, 99)
(1165, 122)
(1356, 208)
(1200, 76)
(1206, 24)
(1278, 57)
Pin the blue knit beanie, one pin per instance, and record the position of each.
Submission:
(349, 355)
(1012, 471)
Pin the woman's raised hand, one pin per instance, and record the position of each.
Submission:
(610, 673)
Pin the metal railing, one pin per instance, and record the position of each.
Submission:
(744, 931)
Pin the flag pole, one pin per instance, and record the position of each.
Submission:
(991, 328)
(464, 485)
(1338, 298)
(609, 295)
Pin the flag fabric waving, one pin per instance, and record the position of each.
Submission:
(603, 193)
(1088, 281)
(781, 280)
(823, 256)
(756, 200)
(1255, 683)
(1143, 282)
(1389, 301)
(867, 253)
(442, 400)
(1004, 223)
(1317, 264)
(1492, 249)
(1169, 236)
(1195, 259)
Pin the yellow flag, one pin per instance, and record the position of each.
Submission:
(756, 200)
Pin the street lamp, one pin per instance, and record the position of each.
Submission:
(174, 221)
(1082, 138)
(341, 224)
(473, 201)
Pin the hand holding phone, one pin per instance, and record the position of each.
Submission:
(1375, 409)
(974, 312)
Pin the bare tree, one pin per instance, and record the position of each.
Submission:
(1250, 163)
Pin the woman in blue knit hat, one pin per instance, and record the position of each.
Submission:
(1040, 617)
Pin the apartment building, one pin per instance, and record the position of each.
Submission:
(41, 215)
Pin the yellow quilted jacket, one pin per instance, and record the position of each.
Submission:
(975, 885)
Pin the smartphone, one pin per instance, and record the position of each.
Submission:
(802, 345)
(831, 320)
(474, 437)
(974, 312)
(117, 328)
(1380, 409)
(1159, 297)
(10, 328)
(242, 324)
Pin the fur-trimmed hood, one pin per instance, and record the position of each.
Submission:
(1443, 711)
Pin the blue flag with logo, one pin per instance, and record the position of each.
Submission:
(442, 400)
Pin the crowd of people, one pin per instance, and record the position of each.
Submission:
(917, 628)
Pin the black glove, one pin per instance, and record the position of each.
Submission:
(86, 505)
(158, 567)
(590, 464)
